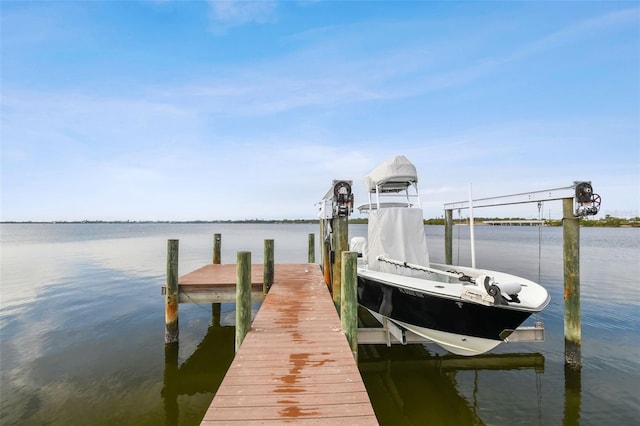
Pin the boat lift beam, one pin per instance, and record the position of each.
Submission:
(586, 203)
(521, 198)
(390, 333)
(527, 334)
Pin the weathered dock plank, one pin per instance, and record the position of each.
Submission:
(294, 366)
(215, 283)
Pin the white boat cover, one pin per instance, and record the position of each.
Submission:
(397, 170)
(397, 232)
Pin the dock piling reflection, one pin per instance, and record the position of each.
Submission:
(170, 389)
(572, 395)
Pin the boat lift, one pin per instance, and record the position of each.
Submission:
(578, 200)
(585, 203)
(337, 205)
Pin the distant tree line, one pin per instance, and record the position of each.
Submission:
(607, 221)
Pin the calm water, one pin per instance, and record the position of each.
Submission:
(82, 325)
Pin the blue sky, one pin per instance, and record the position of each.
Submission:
(155, 110)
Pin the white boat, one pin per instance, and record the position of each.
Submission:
(467, 311)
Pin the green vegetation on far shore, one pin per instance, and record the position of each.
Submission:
(607, 221)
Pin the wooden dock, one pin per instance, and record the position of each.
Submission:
(294, 366)
(217, 284)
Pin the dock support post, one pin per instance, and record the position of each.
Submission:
(324, 255)
(326, 262)
(171, 330)
(349, 300)
(216, 311)
(312, 248)
(217, 242)
(340, 244)
(571, 254)
(243, 296)
(268, 273)
(448, 237)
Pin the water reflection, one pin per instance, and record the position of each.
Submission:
(35, 256)
(572, 395)
(410, 385)
(202, 372)
(82, 322)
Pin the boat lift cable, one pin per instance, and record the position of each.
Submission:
(539, 241)
(458, 233)
(540, 204)
(539, 395)
(472, 238)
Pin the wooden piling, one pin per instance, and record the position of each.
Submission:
(217, 243)
(326, 262)
(325, 253)
(171, 330)
(216, 311)
(312, 248)
(340, 244)
(243, 296)
(267, 277)
(571, 255)
(448, 237)
(349, 299)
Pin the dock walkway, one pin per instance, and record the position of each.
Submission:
(294, 366)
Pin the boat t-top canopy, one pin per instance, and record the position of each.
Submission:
(394, 175)
(390, 178)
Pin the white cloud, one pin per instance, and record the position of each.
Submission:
(332, 69)
(227, 14)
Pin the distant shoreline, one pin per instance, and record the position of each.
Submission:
(607, 221)
(159, 222)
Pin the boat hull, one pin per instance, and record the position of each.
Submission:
(460, 326)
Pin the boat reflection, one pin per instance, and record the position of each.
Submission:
(410, 385)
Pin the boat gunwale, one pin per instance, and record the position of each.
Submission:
(431, 293)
